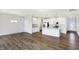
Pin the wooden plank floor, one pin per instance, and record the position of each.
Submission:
(37, 41)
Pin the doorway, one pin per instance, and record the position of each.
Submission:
(71, 24)
(36, 25)
(72, 28)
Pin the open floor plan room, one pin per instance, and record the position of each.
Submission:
(39, 29)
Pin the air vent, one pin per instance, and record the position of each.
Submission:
(72, 9)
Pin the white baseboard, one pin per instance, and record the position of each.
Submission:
(8, 33)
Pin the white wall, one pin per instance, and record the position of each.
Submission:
(6, 27)
(78, 25)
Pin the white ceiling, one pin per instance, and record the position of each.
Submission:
(39, 12)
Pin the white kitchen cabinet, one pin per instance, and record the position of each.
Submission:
(51, 32)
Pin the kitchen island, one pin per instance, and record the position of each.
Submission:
(51, 31)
